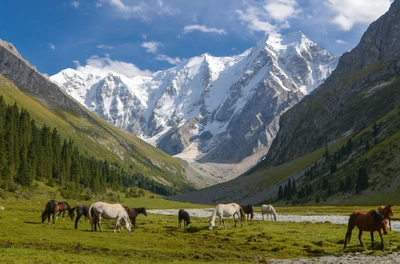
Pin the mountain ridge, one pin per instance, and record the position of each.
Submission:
(212, 107)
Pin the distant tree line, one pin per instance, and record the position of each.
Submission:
(29, 152)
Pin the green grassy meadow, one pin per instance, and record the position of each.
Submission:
(24, 239)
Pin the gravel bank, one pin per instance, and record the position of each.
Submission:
(354, 258)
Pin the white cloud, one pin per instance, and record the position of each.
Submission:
(268, 16)
(144, 10)
(349, 13)
(151, 46)
(173, 61)
(106, 47)
(339, 41)
(52, 46)
(75, 4)
(282, 10)
(102, 66)
(204, 29)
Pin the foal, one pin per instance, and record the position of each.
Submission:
(185, 217)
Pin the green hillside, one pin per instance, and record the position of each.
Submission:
(96, 138)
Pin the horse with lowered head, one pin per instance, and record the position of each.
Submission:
(63, 206)
(387, 212)
(366, 221)
(81, 210)
(185, 217)
(134, 212)
(100, 210)
(227, 210)
(50, 211)
(249, 211)
(268, 210)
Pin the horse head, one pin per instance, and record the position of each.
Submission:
(211, 225)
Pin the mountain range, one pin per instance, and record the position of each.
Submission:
(212, 112)
(336, 138)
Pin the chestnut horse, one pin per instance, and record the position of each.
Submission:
(61, 207)
(249, 211)
(366, 221)
(134, 212)
(185, 217)
(387, 212)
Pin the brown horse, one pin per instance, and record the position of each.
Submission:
(248, 210)
(61, 207)
(134, 212)
(366, 221)
(185, 217)
(387, 212)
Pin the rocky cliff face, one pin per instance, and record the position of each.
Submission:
(26, 77)
(363, 88)
(209, 109)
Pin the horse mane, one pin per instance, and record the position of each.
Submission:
(376, 216)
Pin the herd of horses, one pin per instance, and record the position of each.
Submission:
(365, 221)
(94, 213)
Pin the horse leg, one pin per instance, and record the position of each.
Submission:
(77, 220)
(372, 239)
(117, 226)
(380, 234)
(360, 237)
(99, 222)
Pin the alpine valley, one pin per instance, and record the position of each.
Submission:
(285, 122)
(219, 114)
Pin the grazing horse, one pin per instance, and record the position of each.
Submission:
(185, 217)
(50, 211)
(366, 221)
(249, 211)
(100, 210)
(61, 207)
(134, 212)
(268, 210)
(81, 210)
(387, 212)
(227, 210)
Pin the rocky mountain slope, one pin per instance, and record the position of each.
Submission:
(358, 104)
(220, 114)
(358, 92)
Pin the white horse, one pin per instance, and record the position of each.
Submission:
(268, 210)
(227, 210)
(100, 210)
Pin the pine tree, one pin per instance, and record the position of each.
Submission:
(362, 180)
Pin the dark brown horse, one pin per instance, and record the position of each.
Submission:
(248, 210)
(50, 211)
(81, 210)
(134, 212)
(185, 217)
(366, 221)
(387, 212)
(61, 207)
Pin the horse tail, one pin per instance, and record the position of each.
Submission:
(242, 214)
(351, 224)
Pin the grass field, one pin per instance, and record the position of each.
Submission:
(24, 239)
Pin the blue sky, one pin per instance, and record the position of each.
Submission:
(140, 37)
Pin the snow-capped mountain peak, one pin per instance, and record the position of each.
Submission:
(220, 109)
